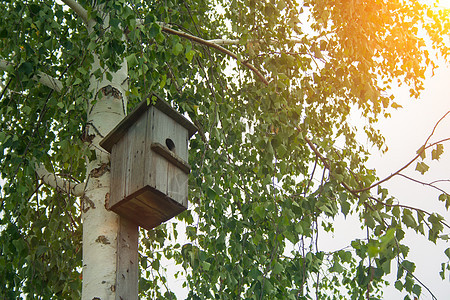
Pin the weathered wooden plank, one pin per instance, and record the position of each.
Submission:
(177, 185)
(163, 127)
(118, 172)
(136, 155)
(171, 157)
(163, 207)
(165, 107)
(121, 129)
(179, 135)
(158, 202)
(148, 208)
(148, 154)
(158, 165)
(127, 275)
(135, 212)
(177, 179)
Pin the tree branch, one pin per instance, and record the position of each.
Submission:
(40, 77)
(325, 162)
(423, 183)
(402, 168)
(201, 41)
(356, 192)
(59, 183)
(419, 154)
(408, 207)
(237, 42)
(79, 10)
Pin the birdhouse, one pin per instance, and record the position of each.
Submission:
(149, 164)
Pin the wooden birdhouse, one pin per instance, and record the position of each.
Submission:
(149, 164)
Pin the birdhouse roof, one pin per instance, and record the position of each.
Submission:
(114, 136)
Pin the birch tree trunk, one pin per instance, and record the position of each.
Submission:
(100, 226)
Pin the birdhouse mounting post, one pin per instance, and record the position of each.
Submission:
(149, 179)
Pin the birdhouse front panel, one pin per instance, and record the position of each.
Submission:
(168, 153)
(149, 169)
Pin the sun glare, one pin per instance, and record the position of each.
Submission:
(444, 3)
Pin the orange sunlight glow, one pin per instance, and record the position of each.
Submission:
(444, 3)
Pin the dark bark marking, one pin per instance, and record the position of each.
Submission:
(86, 204)
(102, 239)
(109, 90)
(97, 172)
(107, 201)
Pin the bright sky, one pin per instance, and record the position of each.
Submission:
(405, 132)
(445, 3)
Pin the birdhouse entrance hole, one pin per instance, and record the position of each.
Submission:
(170, 144)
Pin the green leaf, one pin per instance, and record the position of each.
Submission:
(190, 55)
(447, 252)
(398, 285)
(206, 265)
(446, 199)
(260, 210)
(277, 268)
(77, 81)
(154, 30)
(417, 290)
(422, 167)
(337, 267)
(410, 266)
(408, 219)
(26, 68)
(132, 60)
(211, 193)
(373, 251)
(177, 48)
(388, 236)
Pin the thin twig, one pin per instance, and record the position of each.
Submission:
(407, 207)
(423, 183)
(419, 154)
(402, 168)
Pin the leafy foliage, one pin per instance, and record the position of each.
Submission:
(271, 163)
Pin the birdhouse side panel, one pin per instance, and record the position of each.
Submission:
(179, 135)
(118, 172)
(136, 155)
(177, 180)
(177, 184)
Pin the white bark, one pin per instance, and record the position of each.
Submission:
(41, 77)
(225, 42)
(100, 227)
(80, 11)
(59, 183)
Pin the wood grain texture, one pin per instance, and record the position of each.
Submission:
(136, 143)
(118, 172)
(127, 275)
